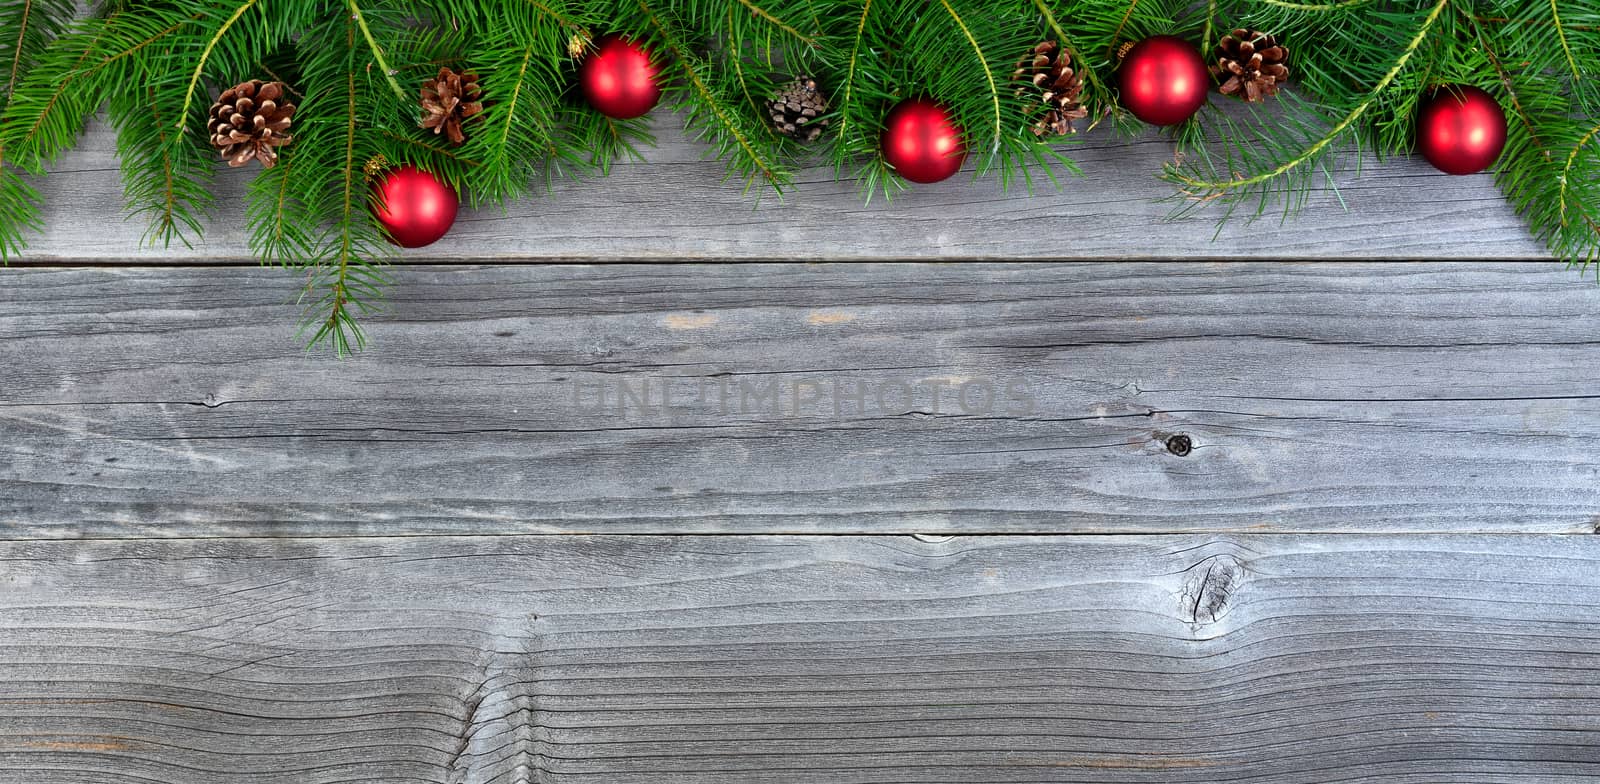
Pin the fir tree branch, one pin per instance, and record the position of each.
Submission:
(616, 140)
(28, 141)
(18, 212)
(1194, 184)
(139, 47)
(205, 57)
(377, 51)
(778, 23)
(1542, 154)
(1566, 48)
(166, 176)
(37, 28)
(1506, 81)
(850, 70)
(316, 213)
(983, 59)
(165, 224)
(1116, 35)
(1366, 75)
(16, 54)
(339, 326)
(276, 243)
(287, 84)
(1317, 7)
(1566, 171)
(753, 156)
(516, 93)
(341, 286)
(60, 90)
(1540, 22)
(563, 19)
(1066, 40)
(744, 83)
(432, 149)
(1094, 87)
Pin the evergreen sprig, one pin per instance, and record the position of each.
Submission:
(27, 30)
(1364, 67)
(355, 69)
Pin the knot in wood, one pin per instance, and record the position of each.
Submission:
(1209, 588)
(1180, 445)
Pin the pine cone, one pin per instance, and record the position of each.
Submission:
(249, 121)
(796, 108)
(449, 100)
(1252, 63)
(1049, 70)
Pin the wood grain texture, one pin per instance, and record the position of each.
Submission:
(676, 206)
(1383, 397)
(843, 660)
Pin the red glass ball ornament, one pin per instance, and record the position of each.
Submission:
(619, 80)
(1163, 79)
(922, 141)
(414, 207)
(1461, 130)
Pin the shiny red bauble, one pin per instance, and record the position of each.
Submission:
(1163, 79)
(414, 207)
(619, 80)
(922, 141)
(1461, 130)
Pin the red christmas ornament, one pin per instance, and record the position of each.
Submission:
(1461, 130)
(1164, 80)
(618, 79)
(922, 142)
(415, 207)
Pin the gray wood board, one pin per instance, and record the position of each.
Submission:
(1379, 397)
(677, 206)
(711, 660)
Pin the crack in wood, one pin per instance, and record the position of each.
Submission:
(802, 659)
(498, 739)
(1208, 592)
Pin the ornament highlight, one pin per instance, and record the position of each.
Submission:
(414, 207)
(1164, 80)
(619, 80)
(922, 141)
(1461, 130)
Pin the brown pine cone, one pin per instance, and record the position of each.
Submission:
(250, 121)
(795, 110)
(1048, 68)
(1250, 64)
(449, 100)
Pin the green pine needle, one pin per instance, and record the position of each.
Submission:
(1361, 69)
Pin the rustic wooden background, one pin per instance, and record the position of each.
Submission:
(1260, 520)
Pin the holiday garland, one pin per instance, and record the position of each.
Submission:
(368, 118)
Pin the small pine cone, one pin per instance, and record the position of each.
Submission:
(448, 101)
(1250, 64)
(1049, 75)
(797, 110)
(250, 121)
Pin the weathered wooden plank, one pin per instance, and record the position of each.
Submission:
(1384, 397)
(676, 206)
(793, 659)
